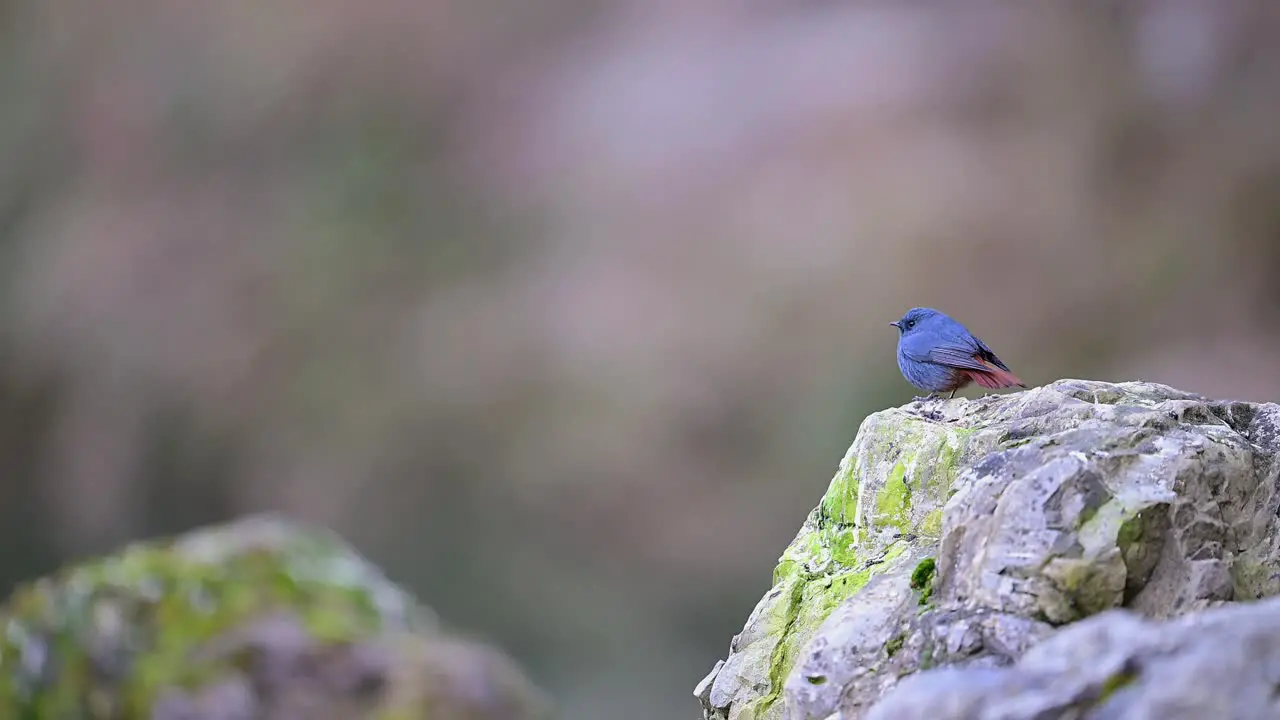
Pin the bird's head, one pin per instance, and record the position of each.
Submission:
(914, 319)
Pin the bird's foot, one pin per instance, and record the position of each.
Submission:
(924, 398)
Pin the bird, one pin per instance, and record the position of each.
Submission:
(938, 354)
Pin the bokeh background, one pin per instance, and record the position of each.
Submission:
(564, 311)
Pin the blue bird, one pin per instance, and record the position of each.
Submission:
(938, 354)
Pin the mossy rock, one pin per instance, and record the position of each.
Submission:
(960, 531)
(231, 619)
(883, 505)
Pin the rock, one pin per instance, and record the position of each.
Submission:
(1222, 663)
(258, 619)
(963, 533)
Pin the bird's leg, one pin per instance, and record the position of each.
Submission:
(953, 394)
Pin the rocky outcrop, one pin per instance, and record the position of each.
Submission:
(1219, 664)
(965, 534)
(257, 619)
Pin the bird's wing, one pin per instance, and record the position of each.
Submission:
(959, 356)
(953, 350)
(963, 350)
(986, 354)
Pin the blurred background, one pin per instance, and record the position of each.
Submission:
(564, 311)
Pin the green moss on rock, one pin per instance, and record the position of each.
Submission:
(110, 638)
(922, 579)
(893, 501)
(895, 643)
(799, 609)
(1116, 683)
(1253, 579)
(931, 526)
(886, 495)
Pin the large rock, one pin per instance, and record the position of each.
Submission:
(260, 619)
(1220, 664)
(962, 533)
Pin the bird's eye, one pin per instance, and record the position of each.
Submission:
(908, 324)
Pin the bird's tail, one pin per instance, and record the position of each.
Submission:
(995, 378)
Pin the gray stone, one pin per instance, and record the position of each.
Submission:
(958, 535)
(1222, 663)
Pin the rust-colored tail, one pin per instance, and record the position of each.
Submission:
(995, 378)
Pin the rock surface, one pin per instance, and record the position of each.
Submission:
(256, 620)
(963, 534)
(1222, 664)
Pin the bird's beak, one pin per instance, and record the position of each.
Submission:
(895, 323)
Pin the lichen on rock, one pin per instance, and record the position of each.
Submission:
(1037, 509)
(259, 618)
(882, 512)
